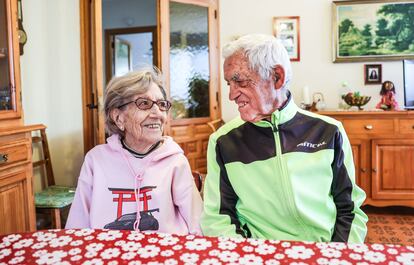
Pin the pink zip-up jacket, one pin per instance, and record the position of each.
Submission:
(111, 179)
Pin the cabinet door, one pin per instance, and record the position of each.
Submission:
(359, 152)
(14, 208)
(392, 169)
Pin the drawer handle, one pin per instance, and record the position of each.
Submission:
(4, 158)
(369, 127)
(363, 170)
(374, 170)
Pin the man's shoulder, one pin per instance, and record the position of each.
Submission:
(321, 117)
(227, 127)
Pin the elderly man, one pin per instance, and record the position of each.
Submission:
(277, 171)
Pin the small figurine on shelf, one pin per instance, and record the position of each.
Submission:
(388, 101)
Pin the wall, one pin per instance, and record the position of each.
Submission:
(51, 81)
(315, 68)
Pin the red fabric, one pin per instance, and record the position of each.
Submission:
(88, 246)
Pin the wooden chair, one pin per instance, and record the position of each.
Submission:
(52, 199)
(198, 179)
(215, 124)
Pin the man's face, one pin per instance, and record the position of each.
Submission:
(255, 97)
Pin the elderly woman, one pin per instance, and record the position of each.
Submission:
(140, 179)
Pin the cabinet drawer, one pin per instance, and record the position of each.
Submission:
(369, 126)
(12, 154)
(407, 126)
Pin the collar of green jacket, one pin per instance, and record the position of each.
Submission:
(282, 115)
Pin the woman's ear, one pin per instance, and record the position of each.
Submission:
(278, 75)
(118, 117)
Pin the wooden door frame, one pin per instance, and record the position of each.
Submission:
(108, 54)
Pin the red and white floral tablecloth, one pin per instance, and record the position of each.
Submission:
(89, 246)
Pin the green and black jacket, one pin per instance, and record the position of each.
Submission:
(289, 179)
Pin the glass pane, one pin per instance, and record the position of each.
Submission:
(5, 82)
(189, 61)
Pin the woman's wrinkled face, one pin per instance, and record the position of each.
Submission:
(143, 128)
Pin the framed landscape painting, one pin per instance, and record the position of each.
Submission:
(373, 30)
(287, 30)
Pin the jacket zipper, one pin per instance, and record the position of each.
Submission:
(287, 190)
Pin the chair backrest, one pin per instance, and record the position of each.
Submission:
(215, 124)
(198, 179)
(39, 138)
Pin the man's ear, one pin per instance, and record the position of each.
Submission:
(118, 117)
(278, 75)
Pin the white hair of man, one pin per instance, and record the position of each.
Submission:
(264, 52)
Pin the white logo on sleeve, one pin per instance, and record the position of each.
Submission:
(311, 145)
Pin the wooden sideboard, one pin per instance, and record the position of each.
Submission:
(383, 148)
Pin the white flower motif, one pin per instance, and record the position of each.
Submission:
(228, 256)
(285, 244)
(39, 245)
(91, 254)
(39, 253)
(363, 263)
(272, 262)
(214, 252)
(153, 240)
(110, 253)
(23, 243)
(19, 253)
(394, 263)
(392, 251)
(128, 255)
(190, 237)
(88, 238)
(167, 253)
(406, 258)
(322, 261)
(248, 249)
(331, 253)
(355, 256)
(148, 251)
(212, 261)
(113, 262)
(377, 247)
(299, 252)
(273, 241)
(237, 239)
(5, 244)
(189, 257)
(93, 262)
(12, 238)
(16, 260)
(198, 244)
(374, 257)
(168, 241)
(135, 236)
(94, 246)
(154, 263)
(135, 262)
(255, 241)
(60, 241)
(74, 251)
(337, 245)
(46, 237)
(51, 258)
(339, 262)
(177, 247)
(265, 249)
(360, 248)
(76, 258)
(131, 246)
(110, 235)
(250, 259)
(411, 248)
(76, 243)
(279, 256)
(170, 262)
(227, 245)
(70, 231)
(120, 243)
(84, 232)
(322, 245)
(298, 263)
(4, 252)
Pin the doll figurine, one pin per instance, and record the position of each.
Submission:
(388, 101)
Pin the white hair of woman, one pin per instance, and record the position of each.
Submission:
(264, 52)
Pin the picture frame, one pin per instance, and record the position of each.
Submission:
(373, 74)
(287, 29)
(372, 30)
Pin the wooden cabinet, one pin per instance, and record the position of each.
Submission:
(17, 211)
(383, 148)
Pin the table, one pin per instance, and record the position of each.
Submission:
(94, 246)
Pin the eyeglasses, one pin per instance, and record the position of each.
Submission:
(146, 104)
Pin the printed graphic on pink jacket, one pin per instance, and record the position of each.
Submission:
(127, 221)
(111, 179)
